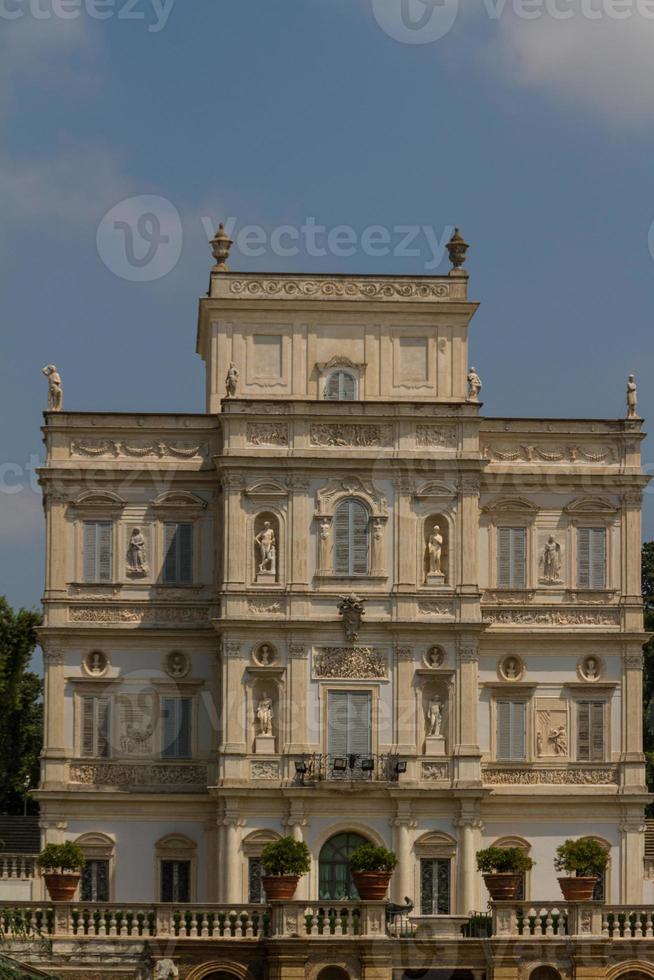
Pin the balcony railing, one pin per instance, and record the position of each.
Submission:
(20, 867)
(558, 919)
(349, 768)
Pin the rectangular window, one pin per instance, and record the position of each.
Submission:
(435, 877)
(95, 881)
(178, 549)
(95, 727)
(175, 881)
(511, 730)
(349, 721)
(97, 551)
(590, 731)
(512, 557)
(176, 728)
(591, 557)
(255, 889)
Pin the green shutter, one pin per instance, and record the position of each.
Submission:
(359, 521)
(590, 731)
(90, 551)
(518, 557)
(88, 726)
(583, 731)
(598, 558)
(176, 717)
(185, 553)
(511, 729)
(95, 727)
(583, 557)
(170, 553)
(349, 719)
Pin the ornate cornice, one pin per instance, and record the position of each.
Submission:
(418, 290)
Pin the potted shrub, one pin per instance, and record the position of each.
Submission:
(503, 868)
(584, 860)
(61, 865)
(371, 869)
(283, 861)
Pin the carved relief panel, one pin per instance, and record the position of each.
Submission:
(552, 729)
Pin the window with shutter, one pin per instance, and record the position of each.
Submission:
(98, 551)
(95, 881)
(591, 557)
(256, 893)
(512, 557)
(511, 717)
(178, 549)
(435, 875)
(176, 728)
(340, 386)
(349, 719)
(590, 731)
(175, 881)
(351, 538)
(95, 727)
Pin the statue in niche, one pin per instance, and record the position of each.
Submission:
(632, 398)
(474, 385)
(351, 609)
(591, 669)
(136, 558)
(264, 655)
(55, 391)
(539, 743)
(231, 381)
(177, 664)
(265, 541)
(434, 717)
(511, 668)
(558, 739)
(435, 550)
(265, 715)
(551, 561)
(96, 662)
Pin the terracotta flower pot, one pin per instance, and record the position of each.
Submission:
(61, 888)
(279, 887)
(372, 885)
(502, 887)
(578, 889)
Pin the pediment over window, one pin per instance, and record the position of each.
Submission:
(351, 486)
(339, 361)
(266, 489)
(179, 500)
(255, 842)
(511, 505)
(590, 505)
(175, 844)
(103, 500)
(96, 845)
(435, 844)
(432, 489)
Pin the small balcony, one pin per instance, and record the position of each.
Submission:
(313, 769)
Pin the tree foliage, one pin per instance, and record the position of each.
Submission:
(21, 713)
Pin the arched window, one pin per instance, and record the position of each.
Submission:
(351, 521)
(336, 882)
(341, 386)
(545, 973)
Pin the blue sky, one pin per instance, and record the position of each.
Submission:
(534, 135)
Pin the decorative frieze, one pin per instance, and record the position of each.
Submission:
(521, 776)
(436, 437)
(441, 609)
(122, 774)
(267, 607)
(145, 615)
(381, 289)
(96, 448)
(514, 453)
(264, 770)
(351, 435)
(351, 663)
(267, 434)
(433, 772)
(551, 617)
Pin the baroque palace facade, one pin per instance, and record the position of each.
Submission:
(341, 604)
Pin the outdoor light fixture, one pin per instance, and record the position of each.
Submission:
(339, 764)
(400, 767)
(367, 765)
(301, 767)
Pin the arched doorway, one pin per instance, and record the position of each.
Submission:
(545, 973)
(634, 975)
(333, 973)
(335, 880)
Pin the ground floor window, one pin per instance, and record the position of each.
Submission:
(175, 881)
(95, 881)
(435, 877)
(255, 888)
(334, 867)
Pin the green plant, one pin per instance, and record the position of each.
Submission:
(503, 860)
(286, 856)
(61, 858)
(368, 857)
(585, 858)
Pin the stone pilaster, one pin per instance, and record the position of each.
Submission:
(467, 755)
(405, 703)
(632, 757)
(296, 726)
(632, 856)
(298, 574)
(470, 828)
(234, 532)
(230, 856)
(402, 882)
(54, 748)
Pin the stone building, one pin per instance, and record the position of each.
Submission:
(342, 604)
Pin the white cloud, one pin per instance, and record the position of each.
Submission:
(604, 65)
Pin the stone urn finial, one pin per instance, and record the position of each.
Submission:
(220, 246)
(457, 248)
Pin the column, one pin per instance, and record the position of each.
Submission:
(296, 822)
(467, 756)
(403, 879)
(232, 858)
(470, 827)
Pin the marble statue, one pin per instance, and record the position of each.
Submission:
(268, 552)
(136, 557)
(231, 381)
(632, 397)
(434, 717)
(265, 715)
(539, 743)
(435, 550)
(551, 560)
(165, 970)
(55, 391)
(511, 669)
(474, 385)
(591, 670)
